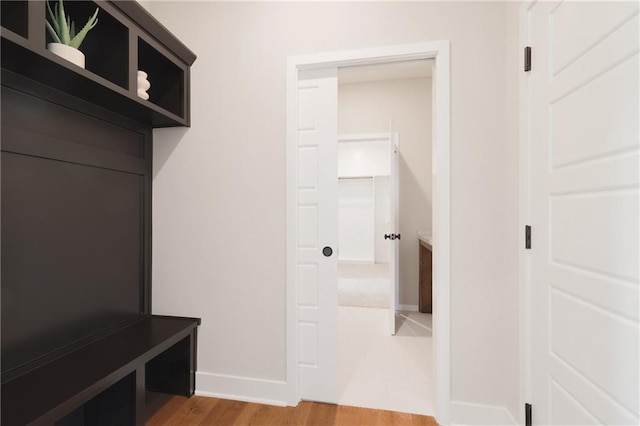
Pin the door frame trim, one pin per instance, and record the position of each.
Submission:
(440, 51)
(524, 215)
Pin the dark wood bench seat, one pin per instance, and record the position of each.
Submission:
(156, 353)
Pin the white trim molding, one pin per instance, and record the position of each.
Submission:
(464, 413)
(524, 207)
(440, 51)
(364, 137)
(248, 389)
(411, 308)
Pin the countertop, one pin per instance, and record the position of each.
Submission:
(426, 237)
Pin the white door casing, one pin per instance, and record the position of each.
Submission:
(317, 217)
(440, 51)
(394, 229)
(581, 119)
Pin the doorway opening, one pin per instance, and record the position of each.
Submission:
(312, 229)
(384, 203)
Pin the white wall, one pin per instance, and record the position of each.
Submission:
(512, 237)
(219, 187)
(364, 163)
(363, 156)
(367, 108)
(356, 220)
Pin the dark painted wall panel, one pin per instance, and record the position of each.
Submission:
(39, 116)
(72, 234)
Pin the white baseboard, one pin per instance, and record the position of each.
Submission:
(468, 414)
(511, 418)
(248, 389)
(412, 308)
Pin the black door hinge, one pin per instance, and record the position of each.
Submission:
(527, 58)
(391, 236)
(527, 415)
(527, 237)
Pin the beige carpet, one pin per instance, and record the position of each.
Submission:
(363, 285)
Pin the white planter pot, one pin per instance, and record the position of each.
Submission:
(69, 53)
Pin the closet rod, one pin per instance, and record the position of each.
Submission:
(354, 177)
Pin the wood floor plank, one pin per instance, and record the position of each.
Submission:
(322, 414)
(155, 401)
(202, 411)
(298, 415)
(194, 411)
(259, 415)
(181, 413)
(226, 413)
(164, 414)
(423, 420)
(352, 416)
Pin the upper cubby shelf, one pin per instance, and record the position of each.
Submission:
(13, 15)
(126, 39)
(167, 78)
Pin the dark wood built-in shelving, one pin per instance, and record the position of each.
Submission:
(80, 345)
(14, 16)
(115, 50)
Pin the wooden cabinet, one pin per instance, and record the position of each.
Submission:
(126, 39)
(425, 292)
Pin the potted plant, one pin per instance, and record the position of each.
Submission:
(62, 29)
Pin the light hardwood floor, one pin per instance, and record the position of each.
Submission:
(177, 410)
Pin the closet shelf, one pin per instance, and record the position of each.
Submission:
(361, 177)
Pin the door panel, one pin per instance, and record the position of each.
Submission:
(597, 250)
(584, 140)
(606, 126)
(589, 23)
(394, 225)
(317, 228)
(567, 410)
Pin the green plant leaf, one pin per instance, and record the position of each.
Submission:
(53, 33)
(64, 28)
(79, 38)
(53, 22)
(72, 32)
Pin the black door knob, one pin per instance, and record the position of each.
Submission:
(327, 251)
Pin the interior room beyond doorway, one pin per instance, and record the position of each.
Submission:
(379, 105)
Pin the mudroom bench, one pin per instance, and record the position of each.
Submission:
(105, 382)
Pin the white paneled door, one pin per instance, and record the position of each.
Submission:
(394, 232)
(582, 101)
(317, 210)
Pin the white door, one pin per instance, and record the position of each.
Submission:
(317, 211)
(394, 233)
(583, 135)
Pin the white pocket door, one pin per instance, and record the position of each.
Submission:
(317, 259)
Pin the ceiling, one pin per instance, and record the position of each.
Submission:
(390, 71)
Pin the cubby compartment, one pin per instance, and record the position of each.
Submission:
(170, 372)
(14, 16)
(114, 406)
(106, 47)
(166, 78)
